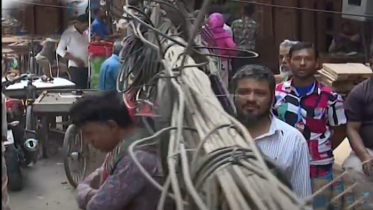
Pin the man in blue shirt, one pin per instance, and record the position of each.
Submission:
(99, 27)
(110, 69)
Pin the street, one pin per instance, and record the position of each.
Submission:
(46, 186)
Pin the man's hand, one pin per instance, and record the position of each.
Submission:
(79, 62)
(367, 161)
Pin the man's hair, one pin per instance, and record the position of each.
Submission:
(96, 11)
(256, 72)
(249, 9)
(83, 18)
(288, 43)
(104, 106)
(303, 46)
(117, 47)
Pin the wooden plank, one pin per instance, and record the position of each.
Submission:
(347, 69)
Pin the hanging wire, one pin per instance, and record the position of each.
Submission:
(302, 9)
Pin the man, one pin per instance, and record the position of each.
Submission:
(4, 177)
(244, 35)
(285, 46)
(110, 69)
(106, 124)
(359, 112)
(99, 27)
(73, 47)
(254, 88)
(317, 112)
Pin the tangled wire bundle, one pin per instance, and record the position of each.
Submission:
(208, 157)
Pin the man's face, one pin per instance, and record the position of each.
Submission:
(102, 136)
(253, 100)
(283, 54)
(303, 63)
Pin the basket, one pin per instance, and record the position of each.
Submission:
(100, 49)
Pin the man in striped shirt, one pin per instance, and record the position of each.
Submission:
(254, 89)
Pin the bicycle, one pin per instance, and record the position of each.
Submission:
(75, 149)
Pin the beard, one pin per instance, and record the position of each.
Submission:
(249, 120)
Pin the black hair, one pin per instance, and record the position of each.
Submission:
(96, 10)
(302, 46)
(257, 72)
(101, 107)
(249, 10)
(83, 18)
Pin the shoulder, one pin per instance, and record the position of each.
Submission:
(236, 22)
(146, 158)
(67, 32)
(359, 89)
(331, 96)
(290, 133)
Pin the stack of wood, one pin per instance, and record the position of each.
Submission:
(343, 77)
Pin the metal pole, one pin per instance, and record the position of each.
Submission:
(89, 40)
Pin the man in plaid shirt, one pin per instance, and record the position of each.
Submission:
(318, 113)
(244, 35)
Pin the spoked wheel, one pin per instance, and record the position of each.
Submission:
(76, 155)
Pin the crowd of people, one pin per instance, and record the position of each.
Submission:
(296, 123)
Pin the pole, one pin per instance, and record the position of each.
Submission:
(89, 41)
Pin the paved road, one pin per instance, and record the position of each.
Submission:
(46, 186)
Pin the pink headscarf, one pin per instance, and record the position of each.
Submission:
(216, 26)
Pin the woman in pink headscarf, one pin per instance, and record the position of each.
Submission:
(222, 39)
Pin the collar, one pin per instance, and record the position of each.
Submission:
(116, 57)
(273, 129)
(288, 87)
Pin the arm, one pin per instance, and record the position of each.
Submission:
(231, 45)
(62, 49)
(337, 120)
(124, 185)
(355, 115)
(332, 46)
(300, 173)
(88, 188)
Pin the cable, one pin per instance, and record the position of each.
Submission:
(302, 9)
(227, 168)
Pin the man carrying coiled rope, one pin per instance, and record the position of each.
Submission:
(254, 88)
(119, 184)
(318, 113)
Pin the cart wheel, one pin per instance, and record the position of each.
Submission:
(76, 155)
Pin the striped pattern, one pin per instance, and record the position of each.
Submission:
(288, 148)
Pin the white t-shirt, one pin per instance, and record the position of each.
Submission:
(75, 43)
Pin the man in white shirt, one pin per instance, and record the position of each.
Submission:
(254, 89)
(73, 47)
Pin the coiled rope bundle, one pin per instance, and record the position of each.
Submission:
(209, 158)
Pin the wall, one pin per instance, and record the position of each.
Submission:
(278, 24)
